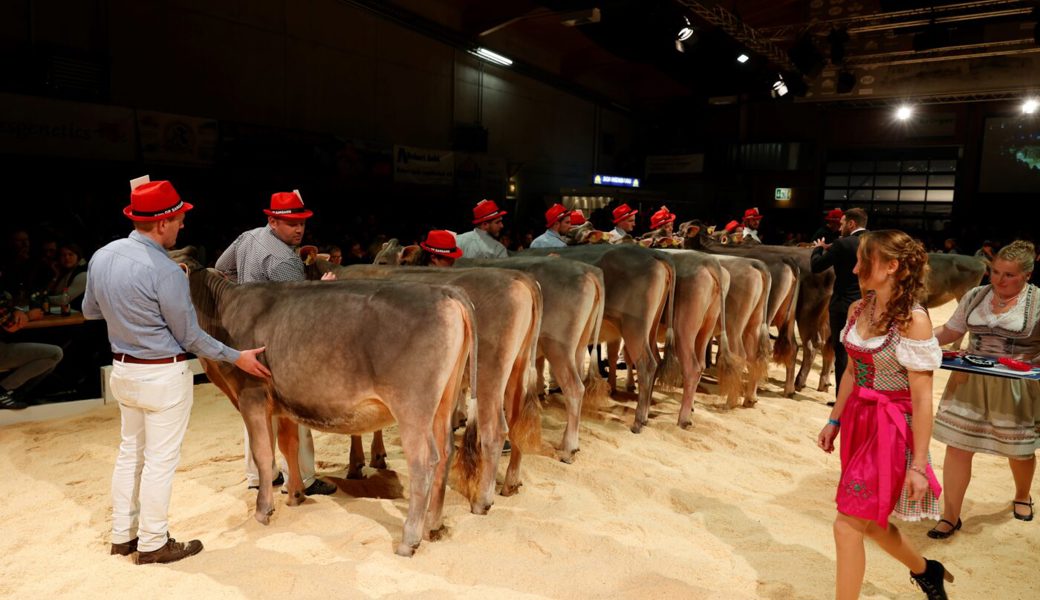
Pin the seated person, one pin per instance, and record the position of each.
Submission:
(26, 364)
(71, 276)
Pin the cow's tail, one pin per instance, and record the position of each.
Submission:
(670, 371)
(729, 367)
(597, 390)
(758, 368)
(467, 465)
(526, 429)
(784, 350)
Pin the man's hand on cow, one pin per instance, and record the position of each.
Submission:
(330, 276)
(821, 243)
(248, 362)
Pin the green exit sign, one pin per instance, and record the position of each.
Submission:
(782, 194)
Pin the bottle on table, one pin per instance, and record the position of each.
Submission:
(66, 308)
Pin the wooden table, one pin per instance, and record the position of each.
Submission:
(55, 321)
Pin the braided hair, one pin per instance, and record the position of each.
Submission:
(909, 285)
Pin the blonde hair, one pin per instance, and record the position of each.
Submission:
(910, 279)
(1020, 252)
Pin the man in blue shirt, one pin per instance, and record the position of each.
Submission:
(557, 223)
(144, 298)
(482, 241)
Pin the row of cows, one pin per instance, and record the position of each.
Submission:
(392, 343)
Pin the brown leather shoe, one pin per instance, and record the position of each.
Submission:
(125, 549)
(171, 552)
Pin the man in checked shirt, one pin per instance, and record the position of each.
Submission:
(268, 254)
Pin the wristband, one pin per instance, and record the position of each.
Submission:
(834, 422)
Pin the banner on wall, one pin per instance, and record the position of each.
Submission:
(423, 166)
(177, 139)
(43, 126)
(672, 164)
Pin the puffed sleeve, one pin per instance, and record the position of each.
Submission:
(919, 355)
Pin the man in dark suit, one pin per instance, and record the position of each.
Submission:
(842, 256)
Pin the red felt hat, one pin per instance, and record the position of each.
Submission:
(155, 201)
(731, 226)
(834, 214)
(752, 213)
(441, 243)
(486, 210)
(577, 217)
(557, 212)
(623, 212)
(288, 206)
(661, 218)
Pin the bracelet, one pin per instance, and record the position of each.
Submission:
(834, 422)
(919, 470)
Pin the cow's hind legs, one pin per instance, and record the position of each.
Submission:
(253, 406)
(421, 452)
(378, 451)
(289, 442)
(512, 482)
(357, 458)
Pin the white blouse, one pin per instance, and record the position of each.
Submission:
(914, 355)
(983, 315)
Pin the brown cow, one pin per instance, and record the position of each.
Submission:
(334, 349)
(640, 285)
(508, 309)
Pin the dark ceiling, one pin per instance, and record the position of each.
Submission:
(629, 53)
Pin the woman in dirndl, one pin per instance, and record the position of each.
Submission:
(884, 413)
(989, 414)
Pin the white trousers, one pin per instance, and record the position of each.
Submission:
(155, 403)
(306, 457)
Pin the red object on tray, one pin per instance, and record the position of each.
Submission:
(951, 353)
(1015, 364)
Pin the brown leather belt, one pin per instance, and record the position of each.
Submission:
(126, 358)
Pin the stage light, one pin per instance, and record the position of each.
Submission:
(779, 87)
(685, 32)
(904, 112)
(1030, 106)
(743, 58)
(490, 56)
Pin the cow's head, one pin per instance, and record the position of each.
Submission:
(187, 257)
(389, 253)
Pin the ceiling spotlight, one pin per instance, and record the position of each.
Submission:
(490, 56)
(1030, 106)
(904, 112)
(779, 87)
(743, 58)
(686, 31)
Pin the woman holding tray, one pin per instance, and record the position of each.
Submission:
(983, 413)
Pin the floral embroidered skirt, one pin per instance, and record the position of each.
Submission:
(994, 415)
(876, 445)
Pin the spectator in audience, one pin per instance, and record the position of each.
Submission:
(950, 246)
(356, 255)
(987, 252)
(27, 363)
(71, 275)
(335, 255)
(20, 274)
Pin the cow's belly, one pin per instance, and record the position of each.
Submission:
(354, 418)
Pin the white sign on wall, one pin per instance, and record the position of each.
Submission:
(43, 126)
(423, 166)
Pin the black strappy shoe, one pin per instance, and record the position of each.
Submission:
(935, 534)
(1014, 512)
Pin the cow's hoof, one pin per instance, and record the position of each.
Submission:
(355, 472)
(378, 462)
(510, 490)
(436, 535)
(750, 403)
(567, 456)
(685, 424)
(263, 517)
(296, 498)
(406, 550)
(637, 427)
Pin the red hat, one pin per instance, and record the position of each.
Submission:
(441, 243)
(288, 206)
(623, 212)
(556, 213)
(661, 218)
(486, 210)
(154, 201)
(834, 214)
(731, 226)
(577, 217)
(752, 213)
